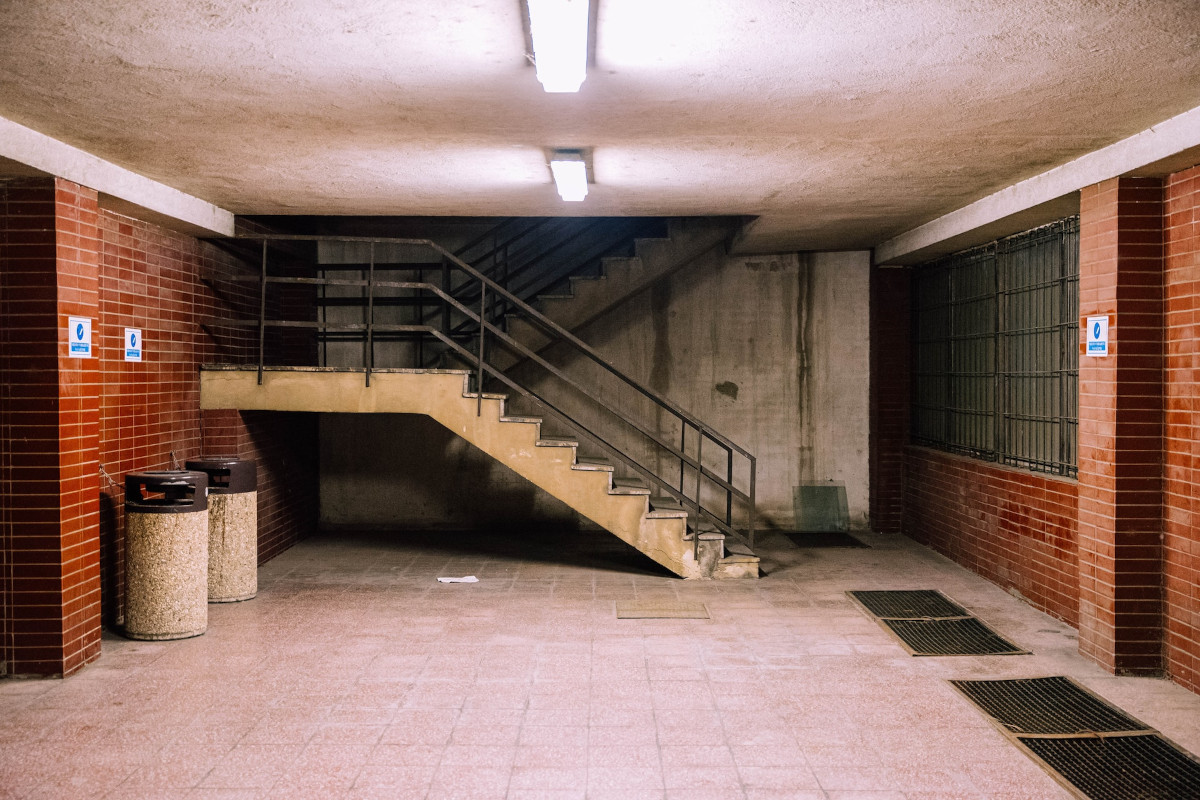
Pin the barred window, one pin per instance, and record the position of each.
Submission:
(995, 350)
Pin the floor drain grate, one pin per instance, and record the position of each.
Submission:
(928, 623)
(1086, 743)
(918, 604)
(1046, 706)
(636, 609)
(951, 637)
(1120, 767)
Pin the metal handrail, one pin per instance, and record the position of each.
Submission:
(528, 310)
(523, 274)
(527, 263)
(485, 326)
(497, 331)
(497, 246)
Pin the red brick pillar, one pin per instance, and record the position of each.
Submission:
(1121, 427)
(49, 429)
(889, 408)
(1181, 474)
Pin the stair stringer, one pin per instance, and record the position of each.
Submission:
(513, 441)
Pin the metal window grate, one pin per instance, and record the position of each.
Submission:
(1038, 362)
(995, 356)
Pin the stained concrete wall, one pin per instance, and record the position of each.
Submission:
(766, 350)
(771, 351)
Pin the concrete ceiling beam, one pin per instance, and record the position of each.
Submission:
(120, 190)
(1168, 147)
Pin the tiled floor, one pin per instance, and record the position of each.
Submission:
(354, 674)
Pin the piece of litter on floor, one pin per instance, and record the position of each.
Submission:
(464, 579)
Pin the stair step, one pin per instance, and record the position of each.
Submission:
(593, 466)
(626, 486)
(553, 442)
(616, 261)
(567, 296)
(486, 396)
(645, 246)
(736, 551)
(520, 317)
(527, 420)
(666, 503)
(621, 268)
(666, 508)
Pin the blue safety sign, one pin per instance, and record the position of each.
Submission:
(133, 344)
(79, 337)
(1097, 337)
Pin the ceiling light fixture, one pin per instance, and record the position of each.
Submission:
(570, 175)
(559, 30)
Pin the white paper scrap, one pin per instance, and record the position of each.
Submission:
(464, 579)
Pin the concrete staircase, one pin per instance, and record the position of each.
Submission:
(587, 297)
(657, 528)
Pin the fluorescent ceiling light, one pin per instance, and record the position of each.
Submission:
(559, 29)
(570, 174)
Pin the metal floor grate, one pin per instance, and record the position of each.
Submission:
(1046, 706)
(917, 604)
(951, 637)
(1120, 767)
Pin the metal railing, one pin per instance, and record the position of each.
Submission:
(530, 257)
(694, 477)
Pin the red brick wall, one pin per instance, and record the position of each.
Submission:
(1013, 527)
(1130, 526)
(167, 285)
(149, 280)
(61, 532)
(1181, 549)
(78, 415)
(284, 448)
(49, 536)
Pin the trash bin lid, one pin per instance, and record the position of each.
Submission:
(227, 474)
(172, 491)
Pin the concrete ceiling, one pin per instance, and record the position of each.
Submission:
(839, 123)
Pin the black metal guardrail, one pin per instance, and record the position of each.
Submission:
(734, 484)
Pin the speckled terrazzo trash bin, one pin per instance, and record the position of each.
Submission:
(166, 554)
(232, 527)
